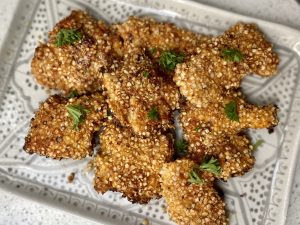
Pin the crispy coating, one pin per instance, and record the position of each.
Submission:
(190, 204)
(130, 164)
(233, 151)
(77, 66)
(210, 133)
(51, 132)
(149, 33)
(135, 89)
(204, 77)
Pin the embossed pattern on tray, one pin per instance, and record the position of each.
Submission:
(259, 197)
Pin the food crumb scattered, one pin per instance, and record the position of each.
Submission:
(71, 177)
(146, 222)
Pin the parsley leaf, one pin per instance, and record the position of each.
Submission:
(168, 60)
(67, 37)
(73, 94)
(194, 178)
(232, 55)
(212, 165)
(230, 110)
(153, 114)
(153, 50)
(257, 144)
(146, 74)
(77, 113)
(197, 129)
(181, 147)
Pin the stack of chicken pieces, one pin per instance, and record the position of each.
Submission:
(128, 79)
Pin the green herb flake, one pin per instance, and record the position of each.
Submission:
(257, 144)
(194, 178)
(181, 147)
(230, 110)
(146, 74)
(77, 113)
(197, 129)
(67, 37)
(73, 94)
(153, 114)
(211, 165)
(168, 60)
(232, 55)
(153, 50)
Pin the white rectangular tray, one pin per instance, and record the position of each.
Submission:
(259, 197)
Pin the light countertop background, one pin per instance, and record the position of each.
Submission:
(15, 210)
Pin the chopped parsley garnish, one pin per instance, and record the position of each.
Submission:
(197, 129)
(73, 94)
(257, 144)
(230, 110)
(181, 147)
(194, 177)
(211, 165)
(77, 113)
(153, 114)
(67, 37)
(168, 60)
(153, 50)
(146, 74)
(232, 55)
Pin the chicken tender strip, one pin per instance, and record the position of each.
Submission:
(77, 66)
(161, 36)
(135, 90)
(51, 132)
(205, 76)
(190, 204)
(130, 164)
(232, 151)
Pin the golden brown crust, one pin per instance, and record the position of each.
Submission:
(132, 95)
(190, 204)
(130, 164)
(205, 76)
(210, 133)
(77, 66)
(52, 134)
(149, 33)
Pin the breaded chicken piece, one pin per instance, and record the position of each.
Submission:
(250, 116)
(52, 134)
(205, 76)
(130, 164)
(139, 97)
(190, 204)
(78, 65)
(161, 36)
(233, 151)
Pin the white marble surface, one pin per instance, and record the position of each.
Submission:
(15, 210)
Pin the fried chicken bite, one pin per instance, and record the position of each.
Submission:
(190, 203)
(130, 164)
(233, 151)
(78, 52)
(161, 36)
(52, 132)
(221, 63)
(139, 97)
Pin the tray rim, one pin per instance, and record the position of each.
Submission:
(261, 22)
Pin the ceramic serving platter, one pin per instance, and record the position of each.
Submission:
(260, 197)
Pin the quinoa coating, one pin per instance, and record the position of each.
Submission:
(51, 132)
(130, 164)
(77, 66)
(149, 33)
(232, 151)
(205, 76)
(135, 89)
(190, 204)
(250, 116)
(210, 133)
